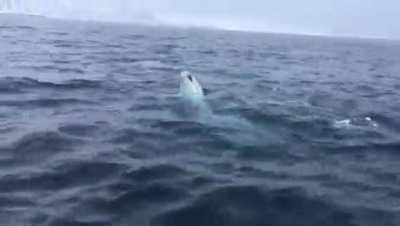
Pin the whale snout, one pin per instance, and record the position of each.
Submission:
(186, 75)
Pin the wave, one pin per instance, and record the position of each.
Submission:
(44, 103)
(155, 173)
(62, 176)
(49, 144)
(23, 84)
(146, 195)
(253, 206)
(79, 130)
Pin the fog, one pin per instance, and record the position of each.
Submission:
(359, 18)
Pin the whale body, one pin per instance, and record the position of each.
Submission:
(190, 87)
(193, 106)
(192, 95)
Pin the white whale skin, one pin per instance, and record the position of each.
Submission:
(189, 86)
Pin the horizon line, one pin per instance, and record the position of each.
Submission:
(208, 27)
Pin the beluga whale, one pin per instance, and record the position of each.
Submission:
(192, 94)
(189, 87)
(194, 107)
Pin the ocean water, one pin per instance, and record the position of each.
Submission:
(297, 131)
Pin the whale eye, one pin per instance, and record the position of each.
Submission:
(190, 78)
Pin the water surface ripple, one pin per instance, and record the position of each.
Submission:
(301, 131)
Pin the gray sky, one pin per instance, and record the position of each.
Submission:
(361, 18)
(372, 18)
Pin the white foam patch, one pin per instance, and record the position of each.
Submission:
(355, 123)
(346, 123)
(371, 122)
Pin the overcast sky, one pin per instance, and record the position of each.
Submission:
(361, 18)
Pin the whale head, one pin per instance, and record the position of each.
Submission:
(190, 87)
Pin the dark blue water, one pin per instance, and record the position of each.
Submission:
(300, 131)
